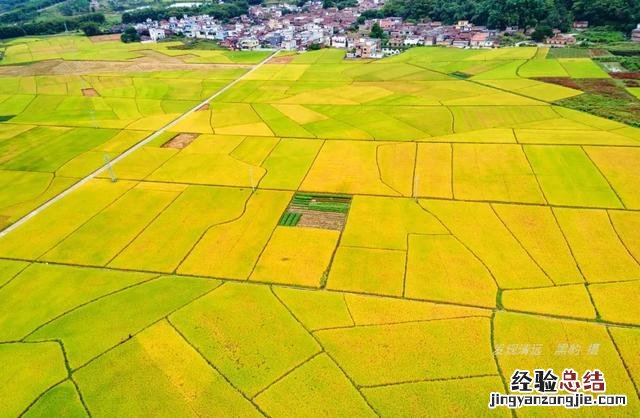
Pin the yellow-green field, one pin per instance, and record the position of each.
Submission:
(485, 228)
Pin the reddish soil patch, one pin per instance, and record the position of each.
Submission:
(105, 38)
(285, 59)
(180, 141)
(562, 81)
(601, 86)
(203, 107)
(599, 52)
(626, 76)
(90, 92)
(322, 220)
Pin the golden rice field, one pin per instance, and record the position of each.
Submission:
(323, 238)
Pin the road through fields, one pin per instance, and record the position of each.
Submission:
(128, 152)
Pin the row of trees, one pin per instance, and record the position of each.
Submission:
(340, 4)
(621, 14)
(221, 12)
(21, 11)
(50, 27)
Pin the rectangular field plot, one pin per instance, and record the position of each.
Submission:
(321, 211)
(288, 163)
(384, 222)
(480, 230)
(217, 160)
(368, 270)
(433, 175)
(621, 167)
(600, 253)
(440, 268)
(61, 218)
(582, 68)
(543, 68)
(170, 237)
(550, 333)
(219, 254)
(568, 177)
(100, 239)
(470, 118)
(358, 167)
(583, 135)
(297, 256)
(493, 173)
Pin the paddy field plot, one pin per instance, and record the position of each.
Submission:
(326, 237)
(61, 122)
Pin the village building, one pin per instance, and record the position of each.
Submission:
(635, 34)
(294, 27)
(561, 40)
(580, 25)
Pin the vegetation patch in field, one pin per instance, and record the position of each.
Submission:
(90, 92)
(607, 98)
(323, 211)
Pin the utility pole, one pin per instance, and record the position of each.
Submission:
(107, 161)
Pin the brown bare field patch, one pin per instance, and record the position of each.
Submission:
(600, 86)
(105, 38)
(561, 81)
(91, 92)
(322, 220)
(180, 141)
(285, 59)
(599, 52)
(203, 108)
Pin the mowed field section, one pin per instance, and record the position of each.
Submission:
(325, 238)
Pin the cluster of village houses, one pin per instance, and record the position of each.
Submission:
(289, 27)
